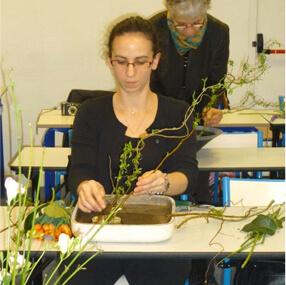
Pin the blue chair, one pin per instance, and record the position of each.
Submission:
(249, 192)
(52, 178)
(252, 192)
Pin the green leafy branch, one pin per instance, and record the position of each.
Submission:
(218, 214)
(129, 164)
(267, 221)
(258, 229)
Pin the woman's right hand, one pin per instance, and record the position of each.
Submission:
(212, 116)
(91, 196)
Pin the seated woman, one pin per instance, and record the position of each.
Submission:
(102, 126)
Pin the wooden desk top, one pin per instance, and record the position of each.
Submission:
(192, 239)
(54, 119)
(216, 159)
(55, 158)
(274, 120)
(232, 159)
(243, 118)
(246, 118)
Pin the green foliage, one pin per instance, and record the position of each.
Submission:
(129, 167)
(262, 224)
(216, 212)
(258, 229)
(54, 212)
(29, 220)
(251, 100)
(56, 209)
(45, 219)
(22, 200)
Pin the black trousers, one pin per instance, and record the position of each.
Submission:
(201, 193)
(155, 271)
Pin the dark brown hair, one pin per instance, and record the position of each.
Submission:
(135, 24)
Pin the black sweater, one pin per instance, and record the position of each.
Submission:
(98, 135)
(208, 61)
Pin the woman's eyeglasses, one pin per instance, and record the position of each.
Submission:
(137, 63)
(196, 26)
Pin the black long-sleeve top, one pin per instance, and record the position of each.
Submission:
(98, 135)
(209, 60)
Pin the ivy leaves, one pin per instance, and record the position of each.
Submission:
(264, 224)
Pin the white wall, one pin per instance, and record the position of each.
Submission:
(240, 17)
(273, 28)
(246, 18)
(54, 46)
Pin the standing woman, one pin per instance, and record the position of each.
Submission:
(102, 127)
(194, 46)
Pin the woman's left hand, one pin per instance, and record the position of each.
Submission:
(151, 182)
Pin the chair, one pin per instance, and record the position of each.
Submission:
(53, 178)
(79, 96)
(235, 137)
(250, 192)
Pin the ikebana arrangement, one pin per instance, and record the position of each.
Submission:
(267, 220)
(50, 221)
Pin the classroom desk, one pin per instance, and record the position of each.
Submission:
(216, 159)
(54, 119)
(246, 118)
(232, 118)
(191, 240)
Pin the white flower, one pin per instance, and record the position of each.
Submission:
(65, 243)
(20, 261)
(12, 189)
(1, 276)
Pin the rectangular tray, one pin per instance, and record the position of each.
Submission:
(152, 213)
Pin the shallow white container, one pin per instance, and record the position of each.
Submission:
(129, 233)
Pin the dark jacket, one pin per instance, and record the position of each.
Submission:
(99, 137)
(208, 61)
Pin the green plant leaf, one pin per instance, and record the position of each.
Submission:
(55, 210)
(29, 219)
(262, 224)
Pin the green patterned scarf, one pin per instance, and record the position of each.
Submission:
(192, 42)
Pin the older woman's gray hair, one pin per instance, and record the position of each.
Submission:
(187, 8)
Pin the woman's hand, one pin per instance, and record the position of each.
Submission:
(152, 182)
(212, 116)
(91, 196)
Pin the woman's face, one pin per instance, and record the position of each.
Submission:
(187, 26)
(132, 61)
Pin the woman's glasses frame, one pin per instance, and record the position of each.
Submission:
(137, 63)
(195, 26)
